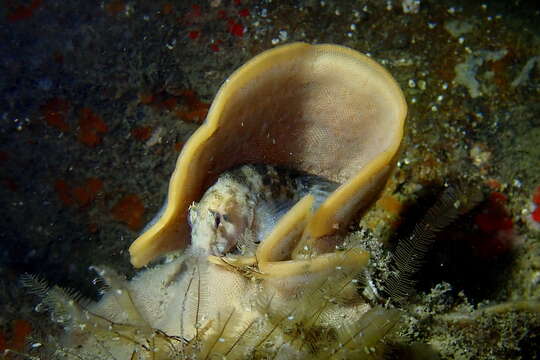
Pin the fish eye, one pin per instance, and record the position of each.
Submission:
(217, 218)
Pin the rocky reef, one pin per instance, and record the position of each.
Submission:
(99, 99)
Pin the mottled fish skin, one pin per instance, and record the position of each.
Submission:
(243, 206)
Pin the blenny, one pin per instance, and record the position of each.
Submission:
(240, 210)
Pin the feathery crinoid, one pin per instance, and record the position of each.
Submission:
(192, 316)
(64, 305)
(110, 329)
(322, 318)
(216, 302)
(325, 319)
(410, 252)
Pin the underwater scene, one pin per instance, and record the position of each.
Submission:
(234, 179)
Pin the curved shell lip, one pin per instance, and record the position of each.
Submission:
(170, 232)
(352, 259)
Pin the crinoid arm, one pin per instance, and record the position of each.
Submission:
(363, 339)
(66, 306)
(325, 319)
(410, 253)
(110, 329)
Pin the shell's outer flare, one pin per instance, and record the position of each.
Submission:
(322, 109)
(352, 260)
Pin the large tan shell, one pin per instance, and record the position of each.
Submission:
(323, 109)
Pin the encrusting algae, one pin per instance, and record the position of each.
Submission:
(266, 274)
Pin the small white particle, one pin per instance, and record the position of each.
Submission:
(412, 83)
(410, 6)
(353, 27)
(431, 25)
(45, 84)
(129, 10)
